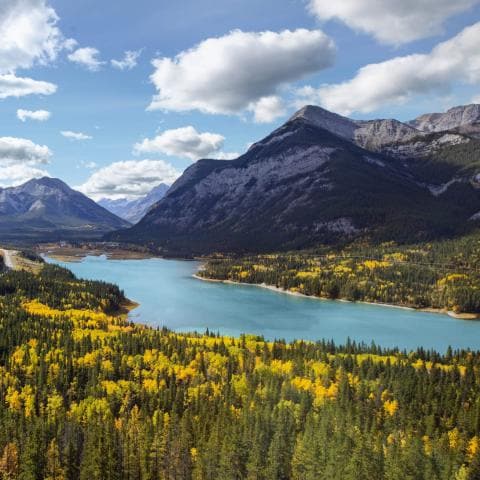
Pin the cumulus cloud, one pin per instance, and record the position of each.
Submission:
(268, 109)
(391, 21)
(29, 34)
(128, 179)
(21, 150)
(397, 80)
(13, 86)
(75, 135)
(476, 99)
(231, 74)
(13, 175)
(86, 57)
(39, 115)
(183, 142)
(20, 159)
(128, 61)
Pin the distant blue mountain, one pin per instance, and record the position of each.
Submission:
(134, 210)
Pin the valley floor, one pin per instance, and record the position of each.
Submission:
(68, 252)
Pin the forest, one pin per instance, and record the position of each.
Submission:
(442, 274)
(85, 394)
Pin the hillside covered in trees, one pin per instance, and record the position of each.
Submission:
(84, 394)
(442, 274)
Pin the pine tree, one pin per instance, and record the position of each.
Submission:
(54, 469)
(281, 446)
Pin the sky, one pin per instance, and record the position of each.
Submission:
(115, 97)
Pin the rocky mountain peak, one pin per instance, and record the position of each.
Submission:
(337, 124)
(318, 177)
(369, 134)
(456, 118)
(41, 207)
(38, 186)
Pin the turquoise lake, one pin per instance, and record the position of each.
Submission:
(169, 296)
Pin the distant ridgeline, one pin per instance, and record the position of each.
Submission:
(441, 275)
(86, 395)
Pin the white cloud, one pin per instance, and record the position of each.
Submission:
(14, 175)
(13, 86)
(183, 142)
(69, 44)
(128, 179)
(21, 150)
(86, 57)
(391, 21)
(29, 36)
(39, 115)
(476, 99)
(268, 109)
(230, 74)
(29, 33)
(19, 160)
(75, 135)
(129, 60)
(397, 80)
(87, 164)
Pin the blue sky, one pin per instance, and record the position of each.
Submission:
(225, 93)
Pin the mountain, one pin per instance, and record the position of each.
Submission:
(321, 177)
(370, 134)
(134, 210)
(463, 119)
(47, 209)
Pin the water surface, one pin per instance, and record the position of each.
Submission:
(169, 296)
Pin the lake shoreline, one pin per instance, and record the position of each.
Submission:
(129, 255)
(273, 288)
(170, 297)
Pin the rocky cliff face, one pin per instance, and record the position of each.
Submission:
(320, 177)
(46, 206)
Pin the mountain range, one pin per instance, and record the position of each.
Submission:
(134, 210)
(323, 177)
(48, 209)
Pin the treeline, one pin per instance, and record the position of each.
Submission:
(59, 288)
(437, 275)
(85, 395)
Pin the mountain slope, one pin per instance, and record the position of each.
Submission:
(47, 208)
(310, 181)
(134, 210)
